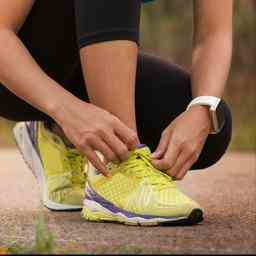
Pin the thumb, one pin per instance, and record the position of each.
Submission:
(162, 147)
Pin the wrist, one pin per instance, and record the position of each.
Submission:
(62, 106)
(214, 109)
(203, 112)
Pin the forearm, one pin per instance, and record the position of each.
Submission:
(210, 65)
(21, 74)
(113, 88)
(109, 51)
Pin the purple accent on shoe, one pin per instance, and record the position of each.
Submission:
(141, 146)
(32, 132)
(92, 196)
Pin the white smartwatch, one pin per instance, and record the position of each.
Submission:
(215, 110)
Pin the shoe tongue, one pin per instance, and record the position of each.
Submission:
(143, 148)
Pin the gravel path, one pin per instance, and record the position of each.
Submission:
(227, 191)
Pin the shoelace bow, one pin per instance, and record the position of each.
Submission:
(77, 163)
(140, 164)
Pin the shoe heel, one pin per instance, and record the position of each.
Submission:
(22, 141)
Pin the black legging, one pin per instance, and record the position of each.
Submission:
(163, 90)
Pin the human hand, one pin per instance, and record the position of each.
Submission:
(91, 129)
(182, 142)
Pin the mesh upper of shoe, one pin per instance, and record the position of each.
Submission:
(138, 187)
(63, 168)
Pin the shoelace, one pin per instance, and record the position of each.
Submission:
(139, 164)
(77, 163)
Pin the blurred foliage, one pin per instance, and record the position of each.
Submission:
(167, 28)
(44, 241)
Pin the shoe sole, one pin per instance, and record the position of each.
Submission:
(97, 209)
(34, 163)
(195, 217)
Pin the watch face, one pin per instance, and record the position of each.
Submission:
(220, 116)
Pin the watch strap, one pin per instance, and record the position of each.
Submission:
(213, 103)
(210, 101)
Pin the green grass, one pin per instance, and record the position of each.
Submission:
(45, 244)
(44, 241)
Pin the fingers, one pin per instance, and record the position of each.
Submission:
(99, 145)
(108, 143)
(169, 159)
(193, 152)
(96, 162)
(183, 171)
(106, 134)
(188, 156)
(175, 155)
(127, 135)
(117, 146)
(184, 156)
(162, 146)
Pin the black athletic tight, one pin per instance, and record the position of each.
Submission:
(55, 30)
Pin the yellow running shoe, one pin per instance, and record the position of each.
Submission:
(137, 194)
(59, 170)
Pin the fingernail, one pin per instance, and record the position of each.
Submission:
(156, 154)
(109, 175)
(140, 146)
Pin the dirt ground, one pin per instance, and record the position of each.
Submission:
(227, 191)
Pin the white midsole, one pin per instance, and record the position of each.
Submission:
(32, 159)
(96, 207)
